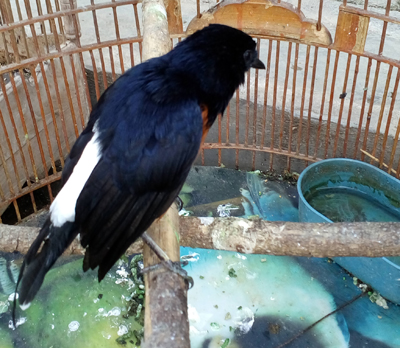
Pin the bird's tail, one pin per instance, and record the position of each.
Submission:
(43, 253)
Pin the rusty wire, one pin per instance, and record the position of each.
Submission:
(275, 115)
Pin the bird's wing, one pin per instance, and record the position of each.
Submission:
(124, 171)
(137, 178)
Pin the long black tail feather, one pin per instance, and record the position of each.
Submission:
(43, 253)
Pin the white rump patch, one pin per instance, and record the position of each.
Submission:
(63, 207)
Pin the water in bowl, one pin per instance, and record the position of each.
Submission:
(343, 204)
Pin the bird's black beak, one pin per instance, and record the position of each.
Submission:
(257, 64)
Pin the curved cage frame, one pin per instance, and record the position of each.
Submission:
(318, 98)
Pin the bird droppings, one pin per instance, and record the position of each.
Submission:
(206, 220)
(193, 315)
(135, 304)
(115, 312)
(122, 272)
(375, 297)
(191, 257)
(225, 343)
(73, 326)
(240, 256)
(19, 322)
(244, 320)
(122, 330)
(245, 225)
(13, 296)
(106, 335)
(215, 326)
(184, 212)
(6, 283)
(4, 306)
(224, 210)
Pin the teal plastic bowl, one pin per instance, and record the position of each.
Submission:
(338, 187)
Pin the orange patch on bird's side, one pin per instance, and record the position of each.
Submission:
(206, 125)
(161, 216)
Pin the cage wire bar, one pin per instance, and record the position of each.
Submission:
(318, 98)
(330, 89)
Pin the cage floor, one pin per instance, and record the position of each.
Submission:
(238, 301)
(271, 301)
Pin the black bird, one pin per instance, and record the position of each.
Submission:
(131, 160)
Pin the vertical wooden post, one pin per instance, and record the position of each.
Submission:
(69, 27)
(156, 39)
(174, 15)
(6, 11)
(351, 31)
(166, 318)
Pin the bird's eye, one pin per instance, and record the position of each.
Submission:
(248, 56)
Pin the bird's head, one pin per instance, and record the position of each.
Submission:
(218, 56)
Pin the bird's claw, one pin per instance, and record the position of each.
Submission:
(173, 267)
(179, 203)
(176, 267)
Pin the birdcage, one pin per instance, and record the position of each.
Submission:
(329, 89)
(318, 98)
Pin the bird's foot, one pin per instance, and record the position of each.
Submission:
(165, 261)
(173, 267)
(179, 203)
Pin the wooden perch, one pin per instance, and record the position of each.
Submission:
(166, 317)
(156, 39)
(166, 321)
(370, 239)
(378, 160)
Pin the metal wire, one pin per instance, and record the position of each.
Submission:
(260, 126)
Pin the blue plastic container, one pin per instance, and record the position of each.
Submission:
(382, 274)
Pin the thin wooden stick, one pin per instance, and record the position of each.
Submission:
(166, 321)
(166, 318)
(377, 160)
(369, 239)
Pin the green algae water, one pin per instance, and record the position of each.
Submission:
(348, 205)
